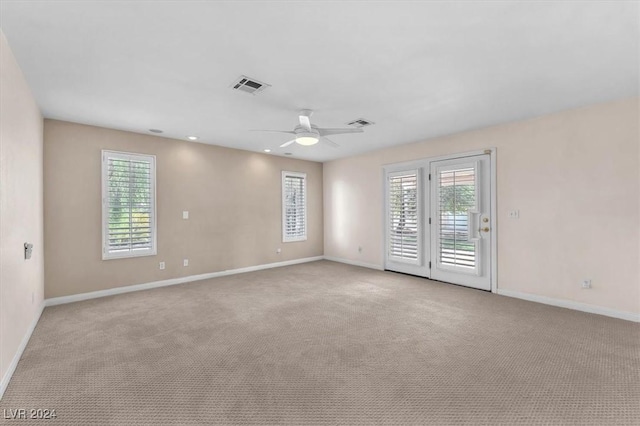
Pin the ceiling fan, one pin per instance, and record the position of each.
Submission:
(308, 134)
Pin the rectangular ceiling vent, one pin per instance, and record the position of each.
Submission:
(249, 85)
(360, 122)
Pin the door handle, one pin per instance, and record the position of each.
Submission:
(485, 229)
(473, 225)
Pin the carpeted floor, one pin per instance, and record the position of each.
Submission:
(326, 343)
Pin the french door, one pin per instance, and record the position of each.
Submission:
(439, 220)
(405, 225)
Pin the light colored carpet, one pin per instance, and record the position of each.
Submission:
(326, 343)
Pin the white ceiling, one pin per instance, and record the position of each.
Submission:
(417, 69)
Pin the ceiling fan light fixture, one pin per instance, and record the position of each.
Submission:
(307, 140)
(307, 134)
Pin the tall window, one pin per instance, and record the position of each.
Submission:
(128, 205)
(294, 206)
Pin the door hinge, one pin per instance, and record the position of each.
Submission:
(429, 221)
(429, 176)
(429, 265)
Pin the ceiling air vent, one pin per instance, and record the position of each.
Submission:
(249, 85)
(360, 122)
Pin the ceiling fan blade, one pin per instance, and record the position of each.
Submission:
(277, 131)
(329, 142)
(305, 114)
(286, 144)
(326, 132)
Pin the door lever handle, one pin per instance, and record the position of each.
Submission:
(485, 229)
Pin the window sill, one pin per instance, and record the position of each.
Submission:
(127, 255)
(294, 240)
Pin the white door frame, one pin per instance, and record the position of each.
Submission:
(424, 163)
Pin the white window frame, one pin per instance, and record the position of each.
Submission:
(106, 154)
(285, 237)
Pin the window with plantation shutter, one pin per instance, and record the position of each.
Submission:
(294, 206)
(403, 217)
(128, 205)
(456, 198)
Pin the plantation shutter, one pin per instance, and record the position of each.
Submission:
(294, 206)
(403, 216)
(456, 198)
(128, 205)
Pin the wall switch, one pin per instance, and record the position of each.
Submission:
(278, 250)
(185, 214)
(514, 214)
(185, 262)
(586, 283)
(161, 265)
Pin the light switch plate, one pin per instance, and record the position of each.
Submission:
(185, 214)
(28, 249)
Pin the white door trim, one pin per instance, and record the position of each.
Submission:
(494, 218)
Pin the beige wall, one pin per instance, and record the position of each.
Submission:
(574, 176)
(233, 198)
(21, 281)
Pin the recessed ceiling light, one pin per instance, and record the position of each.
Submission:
(155, 130)
(192, 138)
(267, 150)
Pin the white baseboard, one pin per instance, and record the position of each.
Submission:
(173, 281)
(563, 303)
(354, 263)
(16, 358)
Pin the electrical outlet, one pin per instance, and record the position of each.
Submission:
(185, 214)
(161, 265)
(185, 262)
(586, 283)
(278, 250)
(514, 214)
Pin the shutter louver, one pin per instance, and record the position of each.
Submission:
(456, 197)
(403, 216)
(294, 221)
(129, 205)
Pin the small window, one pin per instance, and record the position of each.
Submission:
(294, 206)
(128, 205)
